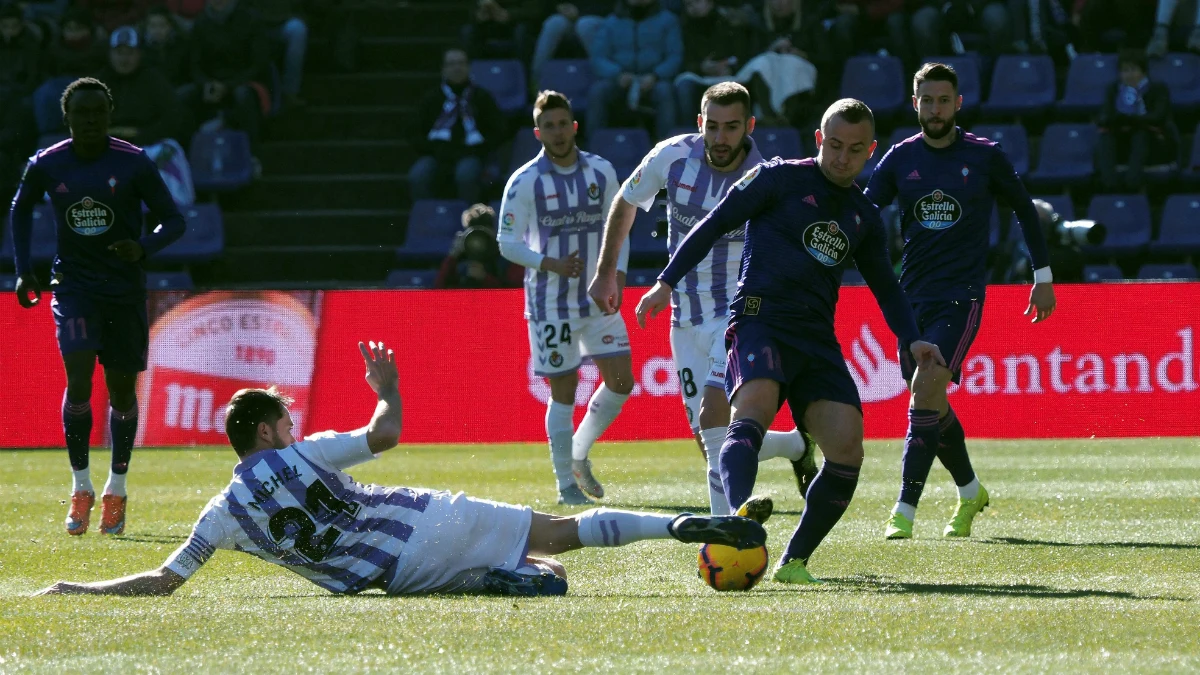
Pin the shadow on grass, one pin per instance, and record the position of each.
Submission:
(700, 510)
(875, 584)
(1016, 541)
(148, 538)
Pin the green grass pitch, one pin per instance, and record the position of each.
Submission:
(1088, 560)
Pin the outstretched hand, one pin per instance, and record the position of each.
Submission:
(926, 352)
(654, 301)
(62, 588)
(382, 375)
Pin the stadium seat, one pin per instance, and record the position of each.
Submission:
(1061, 203)
(679, 131)
(970, 85)
(44, 242)
(169, 281)
(7, 283)
(1177, 272)
(1067, 155)
(1181, 73)
(505, 79)
(1021, 85)
(643, 244)
(1127, 218)
(645, 276)
(432, 226)
(1179, 233)
(899, 134)
(852, 277)
(525, 147)
(779, 142)
(411, 279)
(1088, 80)
(1012, 138)
(204, 239)
(624, 147)
(1191, 170)
(571, 77)
(221, 160)
(878, 81)
(1094, 273)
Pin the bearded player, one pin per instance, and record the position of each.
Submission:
(697, 170)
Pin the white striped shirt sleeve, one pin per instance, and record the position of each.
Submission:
(516, 214)
(648, 179)
(207, 536)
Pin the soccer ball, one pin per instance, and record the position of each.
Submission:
(727, 569)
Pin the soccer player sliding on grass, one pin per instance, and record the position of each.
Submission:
(290, 504)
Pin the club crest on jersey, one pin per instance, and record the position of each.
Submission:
(593, 191)
(747, 178)
(827, 243)
(937, 211)
(556, 359)
(90, 217)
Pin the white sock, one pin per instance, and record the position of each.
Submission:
(115, 484)
(82, 480)
(559, 425)
(612, 527)
(970, 490)
(907, 510)
(713, 439)
(786, 444)
(602, 410)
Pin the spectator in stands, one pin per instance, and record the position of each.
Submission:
(1044, 27)
(146, 110)
(937, 25)
(458, 124)
(43, 13)
(1189, 22)
(289, 33)
(230, 58)
(112, 14)
(474, 260)
(635, 57)
(1135, 126)
(859, 24)
(566, 20)
(494, 33)
(19, 55)
(782, 80)
(714, 49)
(186, 11)
(166, 47)
(76, 53)
(1106, 25)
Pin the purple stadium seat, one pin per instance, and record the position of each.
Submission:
(169, 281)
(779, 142)
(645, 276)
(570, 77)
(624, 147)
(1191, 170)
(44, 242)
(1178, 272)
(1127, 218)
(1021, 85)
(1061, 203)
(203, 240)
(1012, 138)
(1094, 273)
(878, 81)
(642, 242)
(852, 277)
(505, 79)
(220, 160)
(1181, 73)
(411, 279)
(679, 131)
(8, 283)
(525, 147)
(1179, 233)
(1088, 80)
(1067, 154)
(970, 85)
(432, 226)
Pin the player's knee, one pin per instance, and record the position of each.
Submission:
(79, 389)
(714, 410)
(848, 451)
(930, 382)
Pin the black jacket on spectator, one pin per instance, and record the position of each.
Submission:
(1158, 110)
(275, 12)
(714, 37)
(488, 120)
(172, 58)
(232, 49)
(585, 7)
(19, 60)
(809, 38)
(74, 60)
(145, 100)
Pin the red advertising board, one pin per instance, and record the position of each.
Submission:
(1115, 360)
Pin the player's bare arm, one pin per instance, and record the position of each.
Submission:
(604, 288)
(1041, 301)
(383, 432)
(161, 581)
(654, 301)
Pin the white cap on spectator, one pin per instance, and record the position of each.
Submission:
(125, 36)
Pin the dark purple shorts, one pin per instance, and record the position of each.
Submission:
(118, 332)
(951, 325)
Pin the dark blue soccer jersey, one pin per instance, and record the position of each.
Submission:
(802, 232)
(96, 203)
(946, 200)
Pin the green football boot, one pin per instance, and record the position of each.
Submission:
(898, 527)
(960, 524)
(795, 572)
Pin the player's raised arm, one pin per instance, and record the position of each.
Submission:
(876, 269)
(29, 193)
(1008, 185)
(383, 432)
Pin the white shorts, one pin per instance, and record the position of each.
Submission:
(559, 346)
(458, 539)
(700, 356)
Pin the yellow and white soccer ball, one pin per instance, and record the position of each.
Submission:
(725, 568)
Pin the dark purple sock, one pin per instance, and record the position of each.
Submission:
(77, 427)
(739, 460)
(920, 447)
(952, 450)
(826, 501)
(122, 426)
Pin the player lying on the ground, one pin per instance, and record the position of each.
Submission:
(290, 503)
(97, 185)
(806, 222)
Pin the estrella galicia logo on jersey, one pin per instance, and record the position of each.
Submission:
(747, 178)
(593, 192)
(937, 211)
(90, 217)
(556, 359)
(827, 243)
